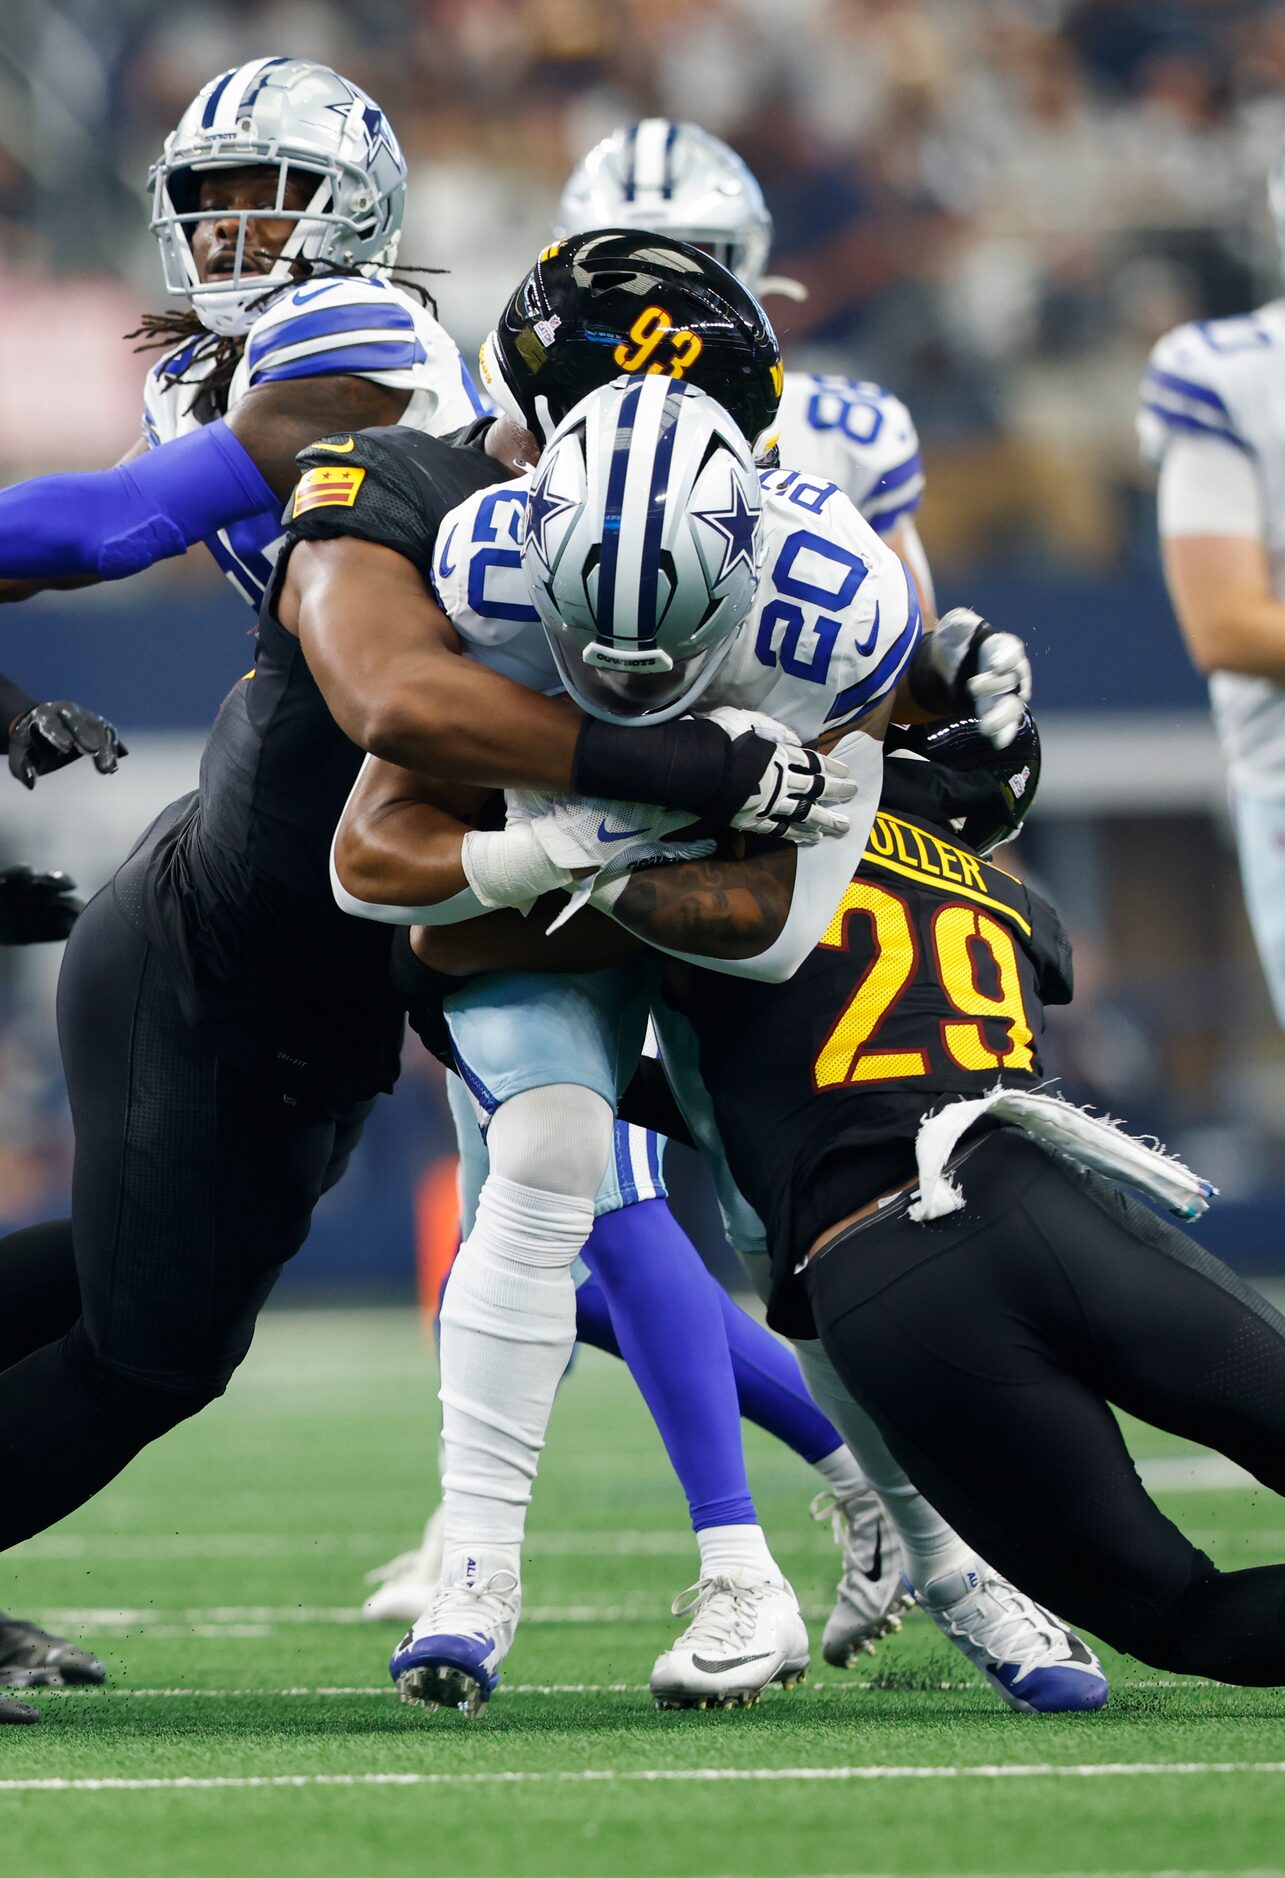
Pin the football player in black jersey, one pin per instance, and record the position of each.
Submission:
(224, 1027)
(988, 1300)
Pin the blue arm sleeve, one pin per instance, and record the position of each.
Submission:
(115, 522)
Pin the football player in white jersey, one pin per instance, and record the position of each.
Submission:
(824, 668)
(1213, 419)
(278, 203)
(681, 180)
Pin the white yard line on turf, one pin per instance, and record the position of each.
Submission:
(1038, 1770)
(111, 1547)
(1193, 1473)
(385, 1689)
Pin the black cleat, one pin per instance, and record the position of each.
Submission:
(31, 1659)
(11, 1711)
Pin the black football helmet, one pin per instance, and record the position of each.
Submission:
(623, 300)
(984, 793)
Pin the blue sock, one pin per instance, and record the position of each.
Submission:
(593, 1319)
(769, 1386)
(668, 1324)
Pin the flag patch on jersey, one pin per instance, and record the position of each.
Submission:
(319, 487)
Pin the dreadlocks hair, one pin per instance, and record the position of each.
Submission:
(159, 332)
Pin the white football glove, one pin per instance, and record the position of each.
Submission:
(799, 793)
(998, 686)
(579, 834)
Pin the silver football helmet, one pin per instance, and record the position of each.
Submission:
(678, 180)
(642, 545)
(289, 115)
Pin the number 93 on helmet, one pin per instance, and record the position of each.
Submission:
(642, 546)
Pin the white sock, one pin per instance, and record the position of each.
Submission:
(508, 1326)
(508, 1319)
(932, 1548)
(841, 1474)
(737, 1548)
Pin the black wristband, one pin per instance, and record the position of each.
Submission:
(689, 764)
(14, 703)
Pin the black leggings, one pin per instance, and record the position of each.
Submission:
(193, 1183)
(987, 1346)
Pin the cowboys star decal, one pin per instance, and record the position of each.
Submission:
(738, 525)
(541, 508)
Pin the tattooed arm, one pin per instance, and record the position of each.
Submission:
(715, 909)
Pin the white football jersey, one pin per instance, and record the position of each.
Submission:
(1226, 379)
(855, 434)
(362, 328)
(834, 619)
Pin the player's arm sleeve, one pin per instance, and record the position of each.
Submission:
(781, 937)
(1209, 487)
(879, 661)
(894, 479)
(1190, 390)
(111, 523)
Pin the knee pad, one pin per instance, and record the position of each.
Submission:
(557, 1139)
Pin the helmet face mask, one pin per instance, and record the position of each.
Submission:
(641, 546)
(294, 118)
(620, 300)
(676, 179)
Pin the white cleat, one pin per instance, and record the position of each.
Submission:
(405, 1586)
(450, 1658)
(745, 1633)
(1036, 1663)
(872, 1591)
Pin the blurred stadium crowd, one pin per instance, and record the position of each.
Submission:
(995, 206)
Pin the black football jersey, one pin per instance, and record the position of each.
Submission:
(236, 890)
(929, 982)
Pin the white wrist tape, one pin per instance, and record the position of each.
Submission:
(508, 867)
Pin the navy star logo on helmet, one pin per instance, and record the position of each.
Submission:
(738, 525)
(542, 507)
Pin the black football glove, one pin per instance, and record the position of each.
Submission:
(49, 736)
(36, 907)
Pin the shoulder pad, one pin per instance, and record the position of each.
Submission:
(861, 436)
(391, 486)
(341, 324)
(1200, 382)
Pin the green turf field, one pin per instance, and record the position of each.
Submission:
(249, 1728)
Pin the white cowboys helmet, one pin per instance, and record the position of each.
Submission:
(291, 115)
(642, 545)
(678, 180)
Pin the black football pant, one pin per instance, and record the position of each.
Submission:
(192, 1185)
(987, 1346)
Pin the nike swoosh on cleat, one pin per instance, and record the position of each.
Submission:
(876, 1564)
(732, 1662)
(604, 834)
